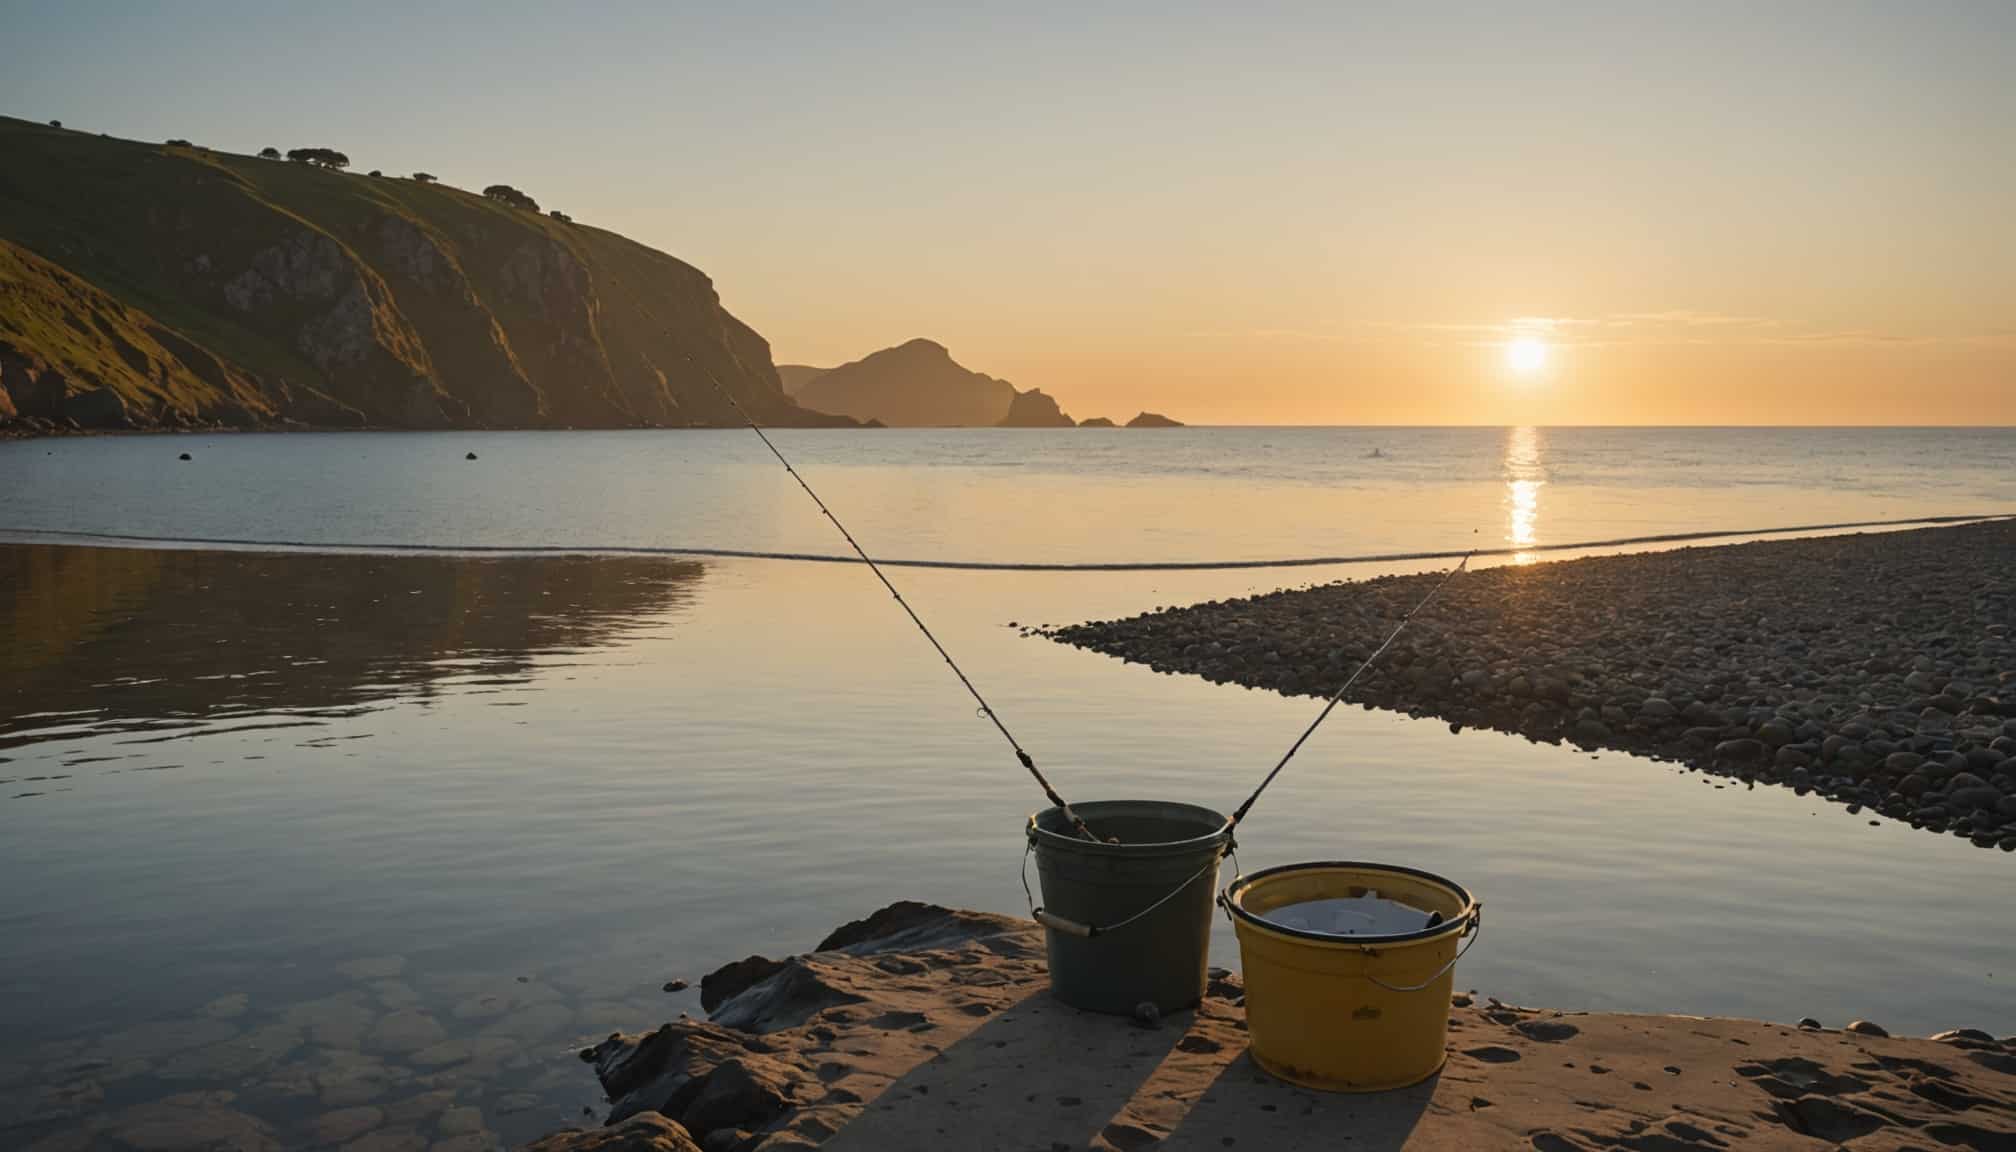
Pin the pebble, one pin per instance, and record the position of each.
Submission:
(1865, 1028)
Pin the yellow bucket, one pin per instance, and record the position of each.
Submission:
(1349, 1013)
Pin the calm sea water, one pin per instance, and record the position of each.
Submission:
(329, 828)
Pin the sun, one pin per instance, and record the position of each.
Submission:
(1526, 355)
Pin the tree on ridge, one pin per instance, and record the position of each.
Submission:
(506, 194)
(320, 157)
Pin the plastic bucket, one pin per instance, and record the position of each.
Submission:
(1358, 1013)
(1105, 954)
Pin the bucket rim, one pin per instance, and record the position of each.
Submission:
(1456, 924)
(1217, 836)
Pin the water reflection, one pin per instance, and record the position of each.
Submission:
(98, 640)
(1524, 477)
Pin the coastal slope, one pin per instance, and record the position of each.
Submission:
(925, 1027)
(161, 286)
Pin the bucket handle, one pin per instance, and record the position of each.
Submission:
(1475, 930)
(1086, 931)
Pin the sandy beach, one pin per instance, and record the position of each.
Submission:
(926, 1027)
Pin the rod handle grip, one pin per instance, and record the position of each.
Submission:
(1058, 923)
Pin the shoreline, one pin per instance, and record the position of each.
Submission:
(922, 1026)
(1875, 669)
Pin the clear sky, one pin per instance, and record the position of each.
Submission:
(1691, 212)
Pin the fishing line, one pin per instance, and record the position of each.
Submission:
(1088, 930)
(986, 709)
(18, 533)
(1240, 813)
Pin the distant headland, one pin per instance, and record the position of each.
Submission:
(173, 286)
(917, 384)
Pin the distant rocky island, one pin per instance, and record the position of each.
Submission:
(913, 385)
(917, 384)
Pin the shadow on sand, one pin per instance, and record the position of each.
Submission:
(1186, 1085)
(1245, 1107)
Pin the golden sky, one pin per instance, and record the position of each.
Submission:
(1798, 212)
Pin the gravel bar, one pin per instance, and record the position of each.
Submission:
(1878, 670)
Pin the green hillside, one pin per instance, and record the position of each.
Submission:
(148, 285)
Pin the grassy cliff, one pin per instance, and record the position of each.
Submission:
(147, 286)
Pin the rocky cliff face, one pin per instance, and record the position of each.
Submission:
(144, 286)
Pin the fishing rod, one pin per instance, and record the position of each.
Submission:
(1087, 930)
(986, 709)
(1240, 813)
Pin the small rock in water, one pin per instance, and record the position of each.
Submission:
(470, 456)
(184, 456)
(676, 985)
(1865, 1028)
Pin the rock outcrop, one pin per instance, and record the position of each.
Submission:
(1096, 422)
(765, 1060)
(156, 287)
(913, 385)
(1153, 420)
(1035, 409)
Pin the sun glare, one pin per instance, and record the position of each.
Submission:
(1526, 355)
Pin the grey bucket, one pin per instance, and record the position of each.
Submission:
(1099, 962)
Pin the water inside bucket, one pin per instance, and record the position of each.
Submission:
(1367, 915)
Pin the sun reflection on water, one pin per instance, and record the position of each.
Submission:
(1524, 477)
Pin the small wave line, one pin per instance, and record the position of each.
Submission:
(33, 535)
